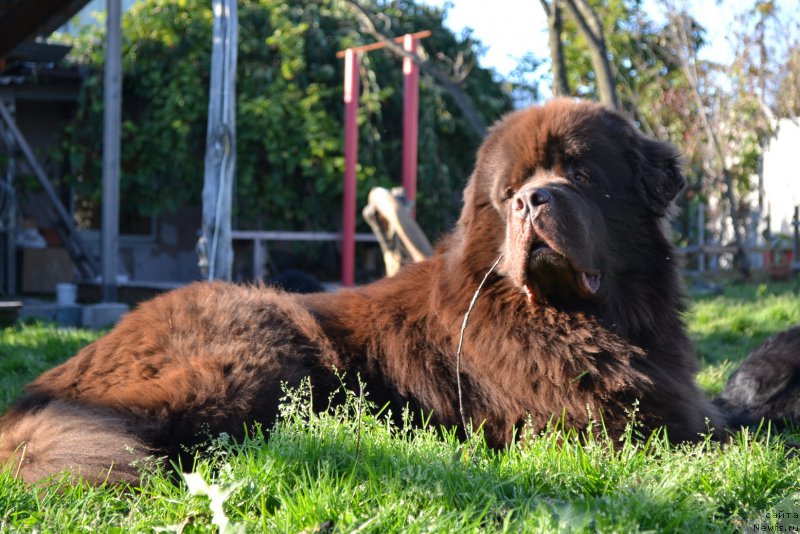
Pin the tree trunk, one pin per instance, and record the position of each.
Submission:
(554, 28)
(591, 28)
(741, 260)
(688, 65)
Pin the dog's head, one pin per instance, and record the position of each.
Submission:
(573, 196)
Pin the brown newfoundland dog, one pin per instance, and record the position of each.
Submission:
(581, 319)
(767, 384)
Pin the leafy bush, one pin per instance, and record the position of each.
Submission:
(289, 111)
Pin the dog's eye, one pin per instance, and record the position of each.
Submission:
(580, 176)
(507, 194)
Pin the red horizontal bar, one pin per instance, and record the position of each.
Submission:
(380, 44)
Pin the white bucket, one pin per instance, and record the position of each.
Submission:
(66, 294)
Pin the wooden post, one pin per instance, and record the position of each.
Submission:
(10, 239)
(220, 159)
(796, 225)
(259, 259)
(112, 119)
(351, 93)
(701, 237)
(410, 120)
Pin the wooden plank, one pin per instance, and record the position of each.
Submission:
(220, 158)
(399, 222)
(716, 250)
(43, 268)
(701, 235)
(273, 235)
(258, 237)
(259, 259)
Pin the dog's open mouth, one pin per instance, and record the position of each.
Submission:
(549, 271)
(542, 259)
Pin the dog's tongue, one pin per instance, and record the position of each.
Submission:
(531, 294)
(590, 282)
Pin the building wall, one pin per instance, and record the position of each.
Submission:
(782, 176)
(166, 255)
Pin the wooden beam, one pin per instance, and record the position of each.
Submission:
(112, 120)
(280, 235)
(22, 19)
(220, 158)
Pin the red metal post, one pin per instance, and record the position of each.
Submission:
(351, 93)
(410, 118)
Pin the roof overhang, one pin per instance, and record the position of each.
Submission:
(24, 20)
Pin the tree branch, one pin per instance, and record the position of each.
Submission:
(679, 35)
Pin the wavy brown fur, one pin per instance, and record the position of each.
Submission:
(211, 357)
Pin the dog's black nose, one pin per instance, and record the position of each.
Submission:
(527, 199)
(540, 196)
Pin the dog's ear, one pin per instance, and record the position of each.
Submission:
(659, 174)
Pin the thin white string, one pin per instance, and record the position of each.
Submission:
(461, 341)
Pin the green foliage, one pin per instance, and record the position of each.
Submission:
(640, 59)
(652, 85)
(289, 111)
(788, 92)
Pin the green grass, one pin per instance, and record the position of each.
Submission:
(28, 350)
(341, 472)
(726, 328)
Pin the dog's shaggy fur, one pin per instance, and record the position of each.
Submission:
(580, 320)
(767, 384)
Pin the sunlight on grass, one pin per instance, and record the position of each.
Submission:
(711, 378)
(28, 349)
(729, 326)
